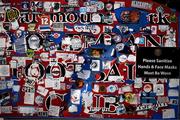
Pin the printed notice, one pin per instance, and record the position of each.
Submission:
(156, 62)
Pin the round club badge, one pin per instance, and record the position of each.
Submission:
(100, 5)
(102, 88)
(39, 100)
(147, 88)
(129, 97)
(109, 6)
(111, 88)
(122, 58)
(117, 38)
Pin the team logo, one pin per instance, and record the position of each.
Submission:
(34, 41)
(35, 70)
(12, 14)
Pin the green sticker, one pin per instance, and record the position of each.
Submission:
(30, 53)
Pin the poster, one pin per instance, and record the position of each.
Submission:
(74, 58)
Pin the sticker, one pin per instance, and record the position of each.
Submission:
(170, 38)
(54, 110)
(120, 47)
(109, 6)
(147, 88)
(73, 2)
(29, 98)
(88, 100)
(102, 88)
(42, 91)
(158, 89)
(121, 98)
(45, 20)
(160, 9)
(118, 4)
(163, 99)
(30, 53)
(83, 10)
(96, 88)
(163, 28)
(3, 44)
(168, 113)
(154, 30)
(106, 64)
(4, 98)
(130, 16)
(73, 58)
(131, 58)
(107, 39)
(28, 89)
(96, 52)
(76, 44)
(96, 18)
(14, 25)
(111, 88)
(6, 109)
(3, 85)
(35, 70)
(43, 114)
(75, 96)
(92, 8)
(10, 84)
(72, 108)
(58, 26)
(129, 97)
(25, 5)
(47, 6)
(56, 6)
(31, 27)
(100, 5)
(173, 101)
(12, 14)
(173, 17)
(71, 43)
(26, 109)
(94, 29)
(141, 5)
(108, 19)
(140, 40)
(107, 29)
(44, 28)
(4, 70)
(123, 58)
(30, 81)
(79, 83)
(95, 65)
(173, 83)
(117, 39)
(34, 41)
(121, 109)
(173, 93)
(126, 88)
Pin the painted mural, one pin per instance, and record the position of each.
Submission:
(77, 58)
